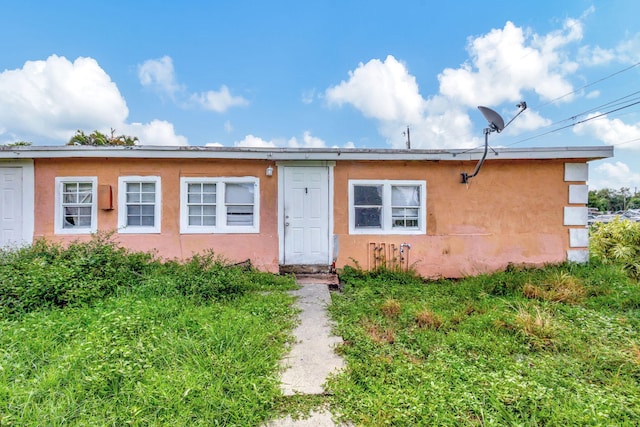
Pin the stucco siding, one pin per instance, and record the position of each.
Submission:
(513, 211)
(261, 248)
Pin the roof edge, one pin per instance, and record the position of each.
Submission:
(200, 152)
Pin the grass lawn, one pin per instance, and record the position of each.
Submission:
(558, 346)
(92, 335)
(134, 360)
(95, 336)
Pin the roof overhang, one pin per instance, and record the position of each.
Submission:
(325, 154)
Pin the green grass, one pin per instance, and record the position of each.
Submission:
(148, 361)
(92, 335)
(161, 350)
(557, 346)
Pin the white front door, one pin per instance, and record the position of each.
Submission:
(306, 215)
(10, 205)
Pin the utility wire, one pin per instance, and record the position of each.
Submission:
(587, 85)
(574, 124)
(614, 102)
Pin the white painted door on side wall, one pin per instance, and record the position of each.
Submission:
(10, 205)
(306, 215)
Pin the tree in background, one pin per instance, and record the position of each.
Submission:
(19, 144)
(98, 138)
(611, 200)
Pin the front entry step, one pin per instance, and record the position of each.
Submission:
(305, 269)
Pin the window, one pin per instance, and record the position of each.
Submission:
(387, 207)
(201, 204)
(219, 205)
(76, 205)
(139, 202)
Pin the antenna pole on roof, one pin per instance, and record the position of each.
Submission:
(408, 134)
(496, 124)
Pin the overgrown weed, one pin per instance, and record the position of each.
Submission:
(520, 347)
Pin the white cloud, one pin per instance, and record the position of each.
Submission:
(218, 101)
(228, 127)
(610, 131)
(254, 141)
(593, 94)
(628, 51)
(159, 75)
(157, 132)
(614, 175)
(348, 144)
(381, 90)
(385, 91)
(527, 121)
(625, 52)
(308, 96)
(55, 97)
(504, 64)
(595, 56)
(308, 141)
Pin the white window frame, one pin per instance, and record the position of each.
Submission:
(386, 220)
(221, 226)
(58, 214)
(122, 205)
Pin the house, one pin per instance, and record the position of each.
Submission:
(285, 207)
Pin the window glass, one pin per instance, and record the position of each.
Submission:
(239, 202)
(403, 212)
(239, 193)
(368, 202)
(201, 199)
(140, 201)
(370, 195)
(387, 206)
(368, 217)
(405, 195)
(77, 205)
(219, 205)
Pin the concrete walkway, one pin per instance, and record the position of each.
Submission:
(312, 357)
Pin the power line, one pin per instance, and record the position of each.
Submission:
(576, 123)
(587, 85)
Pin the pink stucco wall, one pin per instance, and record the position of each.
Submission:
(261, 248)
(512, 212)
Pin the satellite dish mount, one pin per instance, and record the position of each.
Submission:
(496, 124)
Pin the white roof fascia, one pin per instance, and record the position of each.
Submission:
(199, 152)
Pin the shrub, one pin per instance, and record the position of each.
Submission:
(617, 242)
(48, 275)
(207, 276)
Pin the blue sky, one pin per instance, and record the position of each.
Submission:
(327, 74)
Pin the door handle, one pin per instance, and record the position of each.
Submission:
(286, 224)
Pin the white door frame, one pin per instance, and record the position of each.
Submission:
(281, 220)
(28, 196)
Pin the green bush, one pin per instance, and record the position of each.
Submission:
(205, 277)
(48, 275)
(617, 242)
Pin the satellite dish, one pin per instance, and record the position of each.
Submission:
(495, 120)
(496, 124)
